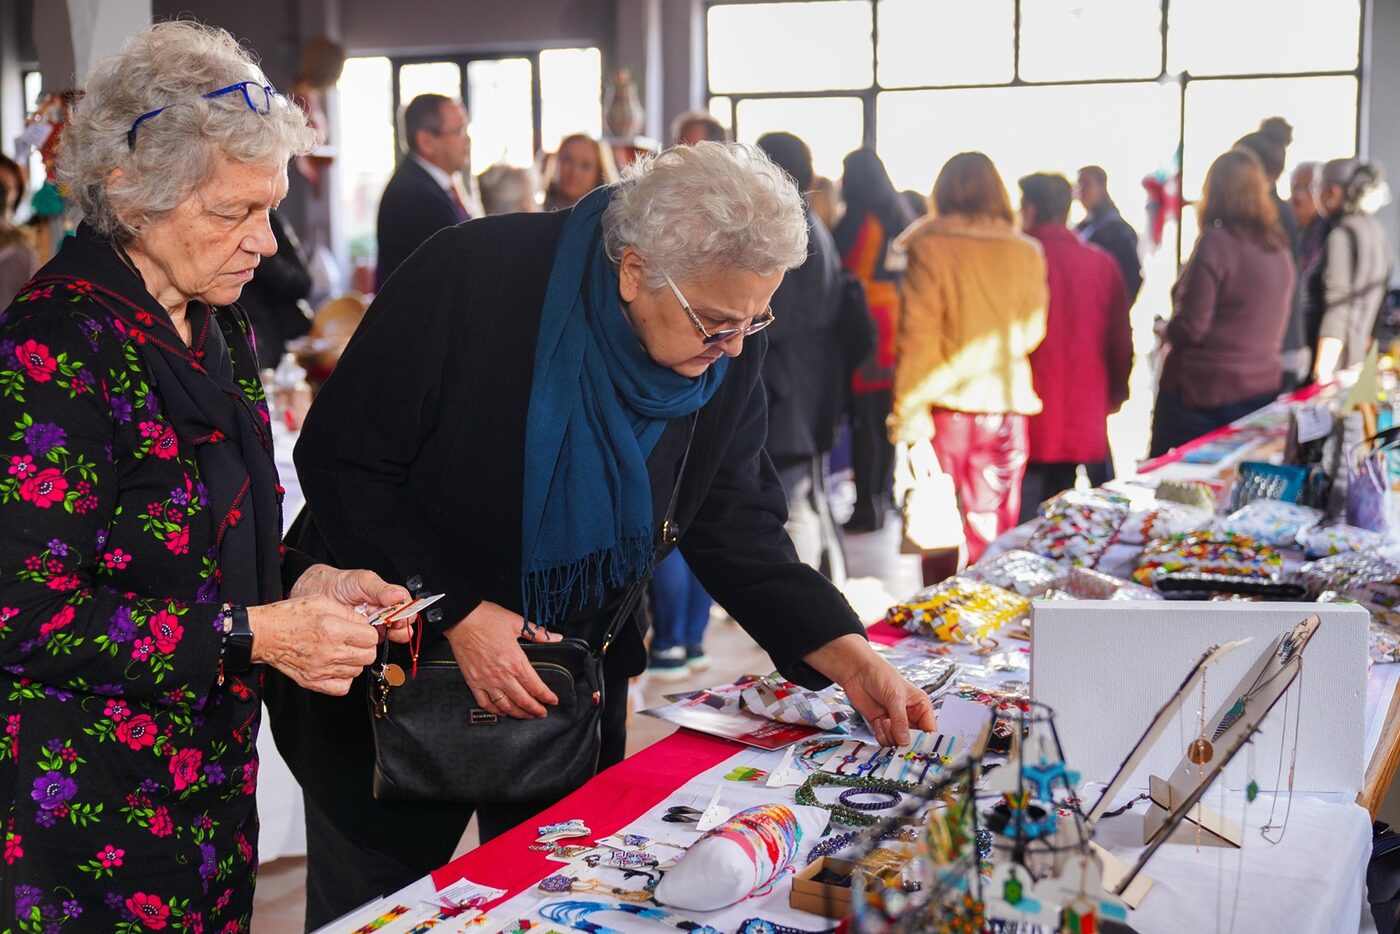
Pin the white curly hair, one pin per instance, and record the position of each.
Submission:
(169, 65)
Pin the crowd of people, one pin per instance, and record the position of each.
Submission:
(507, 426)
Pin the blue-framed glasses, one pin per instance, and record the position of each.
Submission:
(258, 97)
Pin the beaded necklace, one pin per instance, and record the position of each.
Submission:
(575, 914)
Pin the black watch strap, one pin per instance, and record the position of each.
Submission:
(238, 641)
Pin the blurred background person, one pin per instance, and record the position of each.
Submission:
(507, 189)
(1297, 352)
(680, 613)
(825, 201)
(275, 299)
(916, 202)
(697, 126)
(799, 375)
(581, 165)
(424, 194)
(1270, 143)
(1080, 371)
(1104, 227)
(1230, 306)
(1347, 285)
(18, 261)
(875, 215)
(974, 309)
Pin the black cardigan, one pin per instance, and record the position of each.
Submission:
(412, 460)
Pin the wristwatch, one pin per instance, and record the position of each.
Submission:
(238, 640)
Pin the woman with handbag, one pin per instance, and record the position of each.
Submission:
(535, 409)
(975, 299)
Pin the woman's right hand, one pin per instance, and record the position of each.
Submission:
(486, 646)
(317, 642)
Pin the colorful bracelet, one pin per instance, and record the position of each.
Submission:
(842, 812)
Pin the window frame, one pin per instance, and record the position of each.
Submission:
(870, 94)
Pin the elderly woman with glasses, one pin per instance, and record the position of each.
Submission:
(508, 423)
(143, 589)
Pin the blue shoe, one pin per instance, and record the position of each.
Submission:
(668, 664)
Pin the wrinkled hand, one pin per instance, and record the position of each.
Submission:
(357, 588)
(319, 643)
(890, 704)
(486, 646)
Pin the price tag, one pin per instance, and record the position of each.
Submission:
(1314, 422)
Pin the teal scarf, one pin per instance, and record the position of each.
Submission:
(598, 404)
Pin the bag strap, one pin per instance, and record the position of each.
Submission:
(666, 535)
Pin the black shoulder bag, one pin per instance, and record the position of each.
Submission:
(432, 743)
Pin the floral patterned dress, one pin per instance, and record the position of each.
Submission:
(130, 769)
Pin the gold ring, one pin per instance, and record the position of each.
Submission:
(497, 698)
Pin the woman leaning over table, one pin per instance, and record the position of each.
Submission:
(1230, 306)
(141, 582)
(508, 423)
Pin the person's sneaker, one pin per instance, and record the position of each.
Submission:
(696, 658)
(668, 664)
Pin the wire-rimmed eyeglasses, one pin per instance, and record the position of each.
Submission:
(714, 337)
(258, 97)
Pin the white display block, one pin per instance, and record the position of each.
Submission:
(1106, 668)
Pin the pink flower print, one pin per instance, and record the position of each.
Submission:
(64, 582)
(116, 559)
(110, 856)
(150, 429)
(184, 766)
(178, 541)
(7, 613)
(13, 848)
(166, 446)
(143, 649)
(22, 465)
(161, 825)
(166, 628)
(39, 365)
(150, 910)
(12, 725)
(116, 710)
(44, 488)
(60, 619)
(250, 777)
(138, 732)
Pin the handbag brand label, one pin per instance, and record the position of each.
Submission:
(478, 715)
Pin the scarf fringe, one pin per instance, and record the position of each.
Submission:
(552, 594)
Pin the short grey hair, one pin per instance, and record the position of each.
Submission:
(170, 65)
(506, 189)
(707, 206)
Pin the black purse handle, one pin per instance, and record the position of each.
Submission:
(668, 534)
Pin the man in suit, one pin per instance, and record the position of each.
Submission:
(424, 195)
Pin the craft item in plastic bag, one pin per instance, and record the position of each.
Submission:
(1381, 598)
(1195, 493)
(1088, 584)
(1258, 480)
(1161, 520)
(744, 856)
(1272, 521)
(1341, 572)
(1208, 553)
(1326, 540)
(1022, 572)
(786, 702)
(1078, 527)
(959, 610)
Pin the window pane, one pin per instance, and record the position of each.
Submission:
(365, 150)
(502, 127)
(790, 46)
(982, 54)
(1322, 111)
(1205, 36)
(830, 126)
(1067, 40)
(571, 83)
(443, 78)
(721, 108)
(33, 85)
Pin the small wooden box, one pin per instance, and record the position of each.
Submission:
(820, 898)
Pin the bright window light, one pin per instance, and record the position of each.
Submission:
(1068, 40)
(721, 110)
(790, 46)
(982, 54)
(830, 126)
(571, 82)
(1233, 37)
(443, 78)
(502, 129)
(365, 154)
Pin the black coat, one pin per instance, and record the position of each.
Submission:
(1106, 228)
(802, 369)
(412, 209)
(273, 299)
(413, 457)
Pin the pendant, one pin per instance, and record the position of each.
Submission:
(1200, 751)
(394, 675)
(1251, 791)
